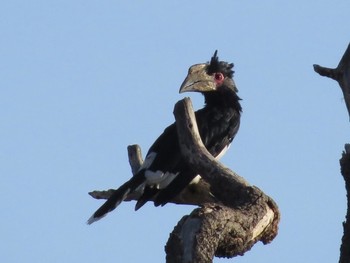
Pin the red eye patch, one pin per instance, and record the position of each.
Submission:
(219, 78)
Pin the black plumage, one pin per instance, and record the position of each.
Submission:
(164, 173)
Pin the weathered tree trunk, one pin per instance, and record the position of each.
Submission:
(342, 75)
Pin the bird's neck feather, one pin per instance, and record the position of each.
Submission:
(223, 98)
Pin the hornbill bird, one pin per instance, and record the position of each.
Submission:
(164, 172)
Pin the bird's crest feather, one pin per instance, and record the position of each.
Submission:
(220, 66)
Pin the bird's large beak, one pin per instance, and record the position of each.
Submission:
(198, 80)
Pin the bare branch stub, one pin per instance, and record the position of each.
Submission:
(135, 158)
(341, 74)
(241, 216)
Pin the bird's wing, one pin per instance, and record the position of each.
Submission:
(217, 131)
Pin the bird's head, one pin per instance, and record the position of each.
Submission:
(208, 77)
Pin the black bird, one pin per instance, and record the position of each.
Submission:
(165, 173)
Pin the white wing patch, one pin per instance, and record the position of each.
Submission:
(196, 179)
(159, 179)
(222, 152)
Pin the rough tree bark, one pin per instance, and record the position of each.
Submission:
(342, 75)
(242, 215)
(226, 225)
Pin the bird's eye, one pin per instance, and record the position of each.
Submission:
(219, 77)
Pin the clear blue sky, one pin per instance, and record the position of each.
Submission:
(81, 80)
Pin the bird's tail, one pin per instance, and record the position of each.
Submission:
(117, 197)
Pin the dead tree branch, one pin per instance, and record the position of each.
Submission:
(242, 216)
(342, 75)
(226, 225)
